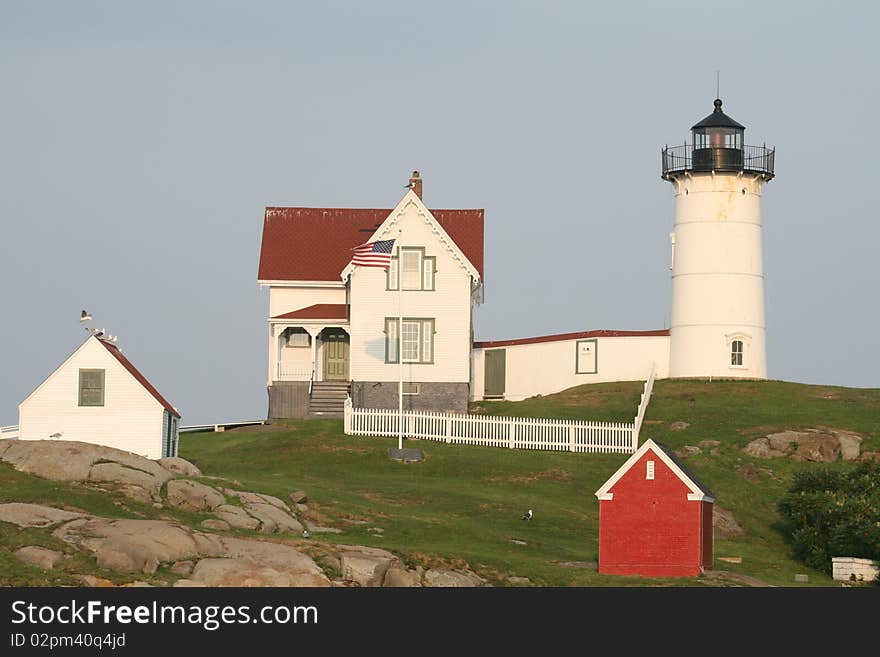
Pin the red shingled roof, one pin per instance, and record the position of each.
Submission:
(318, 311)
(314, 244)
(118, 355)
(559, 337)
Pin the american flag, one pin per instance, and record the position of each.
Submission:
(373, 254)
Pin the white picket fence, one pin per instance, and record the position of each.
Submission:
(9, 431)
(497, 431)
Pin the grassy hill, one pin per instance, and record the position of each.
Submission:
(465, 502)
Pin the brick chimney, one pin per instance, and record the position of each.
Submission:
(415, 183)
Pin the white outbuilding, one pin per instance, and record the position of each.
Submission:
(98, 396)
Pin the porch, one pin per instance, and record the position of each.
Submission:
(309, 362)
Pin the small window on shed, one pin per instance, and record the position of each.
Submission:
(649, 470)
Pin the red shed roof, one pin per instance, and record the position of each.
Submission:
(318, 311)
(118, 355)
(314, 244)
(559, 337)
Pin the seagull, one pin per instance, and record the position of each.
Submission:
(55, 435)
(84, 316)
(306, 533)
(409, 185)
(527, 515)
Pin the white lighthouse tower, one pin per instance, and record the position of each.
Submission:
(717, 326)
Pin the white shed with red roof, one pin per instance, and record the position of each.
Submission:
(98, 396)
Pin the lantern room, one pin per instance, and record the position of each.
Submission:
(717, 145)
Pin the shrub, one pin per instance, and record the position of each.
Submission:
(833, 513)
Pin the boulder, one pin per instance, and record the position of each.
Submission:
(136, 493)
(179, 466)
(91, 580)
(365, 569)
(273, 519)
(760, 448)
(399, 577)
(67, 460)
(709, 443)
(688, 450)
(193, 496)
(819, 448)
(39, 557)
(215, 523)
(299, 497)
(123, 474)
(850, 445)
(136, 545)
(870, 456)
(183, 567)
(519, 581)
(283, 558)
(243, 572)
(784, 441)
(679, 425)
(725, 524)
(452, 578)
(34, 515)
(236, 517)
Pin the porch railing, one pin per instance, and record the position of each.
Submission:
(294, 372)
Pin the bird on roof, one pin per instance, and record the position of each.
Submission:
(84, 316)
(527, 515)
(55, 435)
(410, 185)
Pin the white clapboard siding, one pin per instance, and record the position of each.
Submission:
(449, 304)
(283, 299)
(131, 418)
(545, 368)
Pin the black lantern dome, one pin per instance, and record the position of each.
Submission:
(718, 146)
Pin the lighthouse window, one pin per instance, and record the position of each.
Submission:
(736, 353)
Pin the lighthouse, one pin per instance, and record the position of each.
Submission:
(717, 326)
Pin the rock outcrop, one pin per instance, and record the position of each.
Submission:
(820, 445)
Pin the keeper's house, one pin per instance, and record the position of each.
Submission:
(98, 396)
(655, 517)
(333, 326)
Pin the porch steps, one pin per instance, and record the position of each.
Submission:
(328, 398)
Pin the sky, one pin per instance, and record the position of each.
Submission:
(141, 142)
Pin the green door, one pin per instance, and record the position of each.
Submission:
(495, 373)
(335, 355)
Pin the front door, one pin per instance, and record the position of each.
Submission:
(335, 355)
(495, 372)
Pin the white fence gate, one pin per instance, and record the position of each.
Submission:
(498, 431)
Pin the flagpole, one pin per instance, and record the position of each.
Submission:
(399, 342)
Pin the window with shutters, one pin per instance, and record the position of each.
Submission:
(412, 268)
(417, 343)
(91, 387)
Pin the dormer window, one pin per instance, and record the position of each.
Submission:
(413, 267)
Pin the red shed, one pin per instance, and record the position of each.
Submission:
(655, 517)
